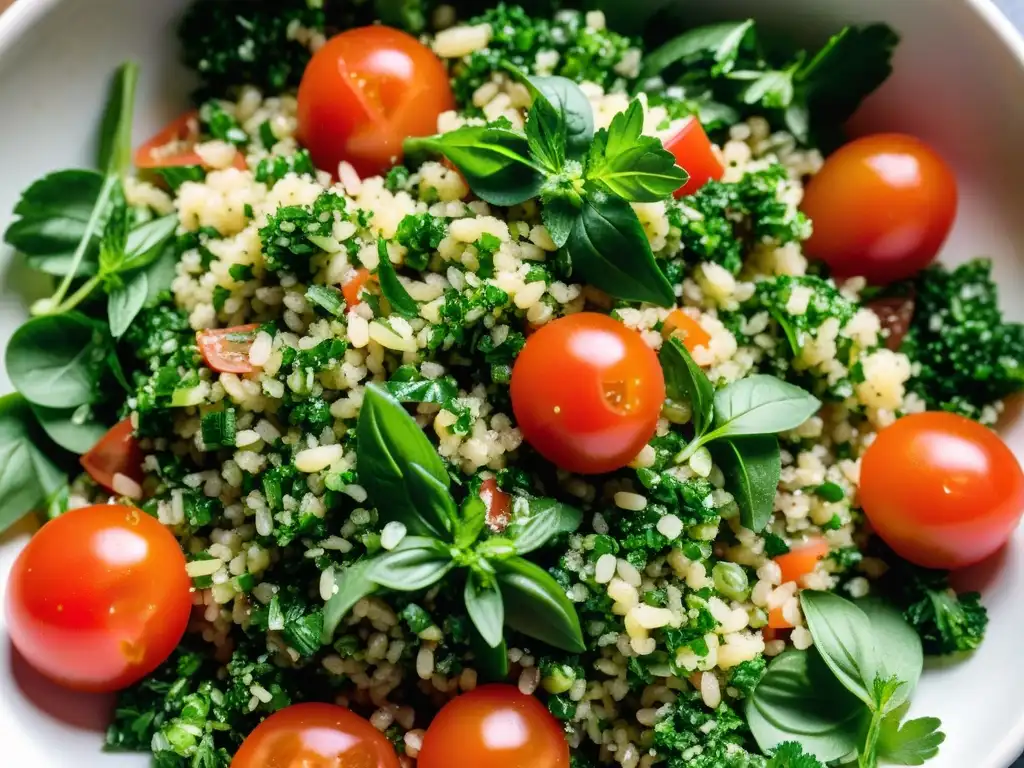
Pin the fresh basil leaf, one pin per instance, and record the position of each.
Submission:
(573, 107)
(559, 214)
(720, 42)
(125, 303)
(494, 161)
(535, 522)
(842, 635)
(407, 385)
(798, 699)
(74, 429)
(609, 249)
(761, 405)
(471, 522)
(147, 242)
(55, 214)
(416, 563)
(114, 242)
(536, 606)
(898, 647)
(491, 663)
(752, 467)
(160, 273)
(55, 360)
(351, 585)
(486, 609)
(28, 478)
(389, 445)
(632, 166)
(913, 742)
(328, 298)
(546, 134)
(685, 380)
(435, 513)
(391, 287)
(115, 148)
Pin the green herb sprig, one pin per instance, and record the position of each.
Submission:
(585, 181)
(408, 483)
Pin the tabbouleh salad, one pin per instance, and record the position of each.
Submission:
(460, 387)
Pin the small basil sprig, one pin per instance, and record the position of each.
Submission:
(585, 181)
(738, 424)
(849, 693)
(390, 286)
(408, 483)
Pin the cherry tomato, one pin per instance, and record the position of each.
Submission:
(689, 331)
(117, 453)
(695, 154)
(353, 287)
(226, 350)
(586, 392)
(175, 146)
(941, 490)
(776, 621)
(499, 504)
(882, 207)
(366, 91)
(802, 559)
(315, 736)
(99, 597)
(494, 726)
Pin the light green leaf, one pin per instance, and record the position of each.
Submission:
(416, 563)
(125, 303)
(761, 405)
(685, 380)
(843, 636)
(536, 521)
(351, 585)
(486, 609)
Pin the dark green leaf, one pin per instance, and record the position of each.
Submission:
(536, 521)
(416, 563)
(559, 214)
(74, 429)
(546, 134)
(536, 606)
(147, 242)
(115, 149)
(843, 636)
(573, 107)
(28, 478)
(720, 42)
(491, 663)
(126, 301)
(471, 522)
(773, 89)
(685, 380)
(351, 585)
(391, 287)
(435, 512)
(609, 249)
(912, 743)
(761, 405)
(409, 386)
(114, 242)
(218, 429)
(752, 467)
(328, 298)
(486, 609)
(160, 272)
(176, 175)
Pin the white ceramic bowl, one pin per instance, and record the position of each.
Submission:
(959, 84)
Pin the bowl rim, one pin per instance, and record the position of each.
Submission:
(22, 15)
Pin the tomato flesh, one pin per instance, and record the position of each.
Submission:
(587, 392)
(99, 597)
(175, 144)
(364, 93)
(689, 331)
(802, 559)
(941, 490)
(315, 736)
(695, 154)
(226, 350)
(117, 453)
(499, 504)
(881, 206)
(494, 726)
(353, 287)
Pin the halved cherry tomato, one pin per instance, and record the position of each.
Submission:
(802, 559)
(353, 287)
(366, 91)
(882, 207)
(695, 154)
(117, 453)
(175, 146)
(494, 726)
(587, 392)
(99, 597)
(689, 330)
(777, 621)
(498, 504)
(315, 736)
(226, 350)
(941, 490)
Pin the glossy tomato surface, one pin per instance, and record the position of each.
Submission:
(315, 736)
(99, 597)
(695, 154)
(586, 392)
(226, 350)
(941, 490)
(882, 206)
(117, 453)
(494, 726)
(366, 91)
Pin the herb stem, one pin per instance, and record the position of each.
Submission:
(77, 297)
(868, 757)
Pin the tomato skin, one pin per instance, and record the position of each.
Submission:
(695, 154)
(690, 332)
(802, 559)
(185, 131)
(99, 597)
(941, 490)
(315, 736)
(117, 452)
(499, 505)
(353, 287)
(226, 350)
(881, 206)
(494, 726)
(366, 91)
(587, 392)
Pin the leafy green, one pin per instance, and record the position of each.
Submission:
(537, 606)
(752, 467)
(28, 477)
(912, 742)
(294, 234)
(825, 303)
(420, 234)
(328, 298)
(684, 380)
(416, 563)
(791, 755)
(692, 736)
(843, 635)
(486, 608)
(760, 405)
(390, 286)
(74, 429)
(272, 169)
(352, 585)
(535, 522)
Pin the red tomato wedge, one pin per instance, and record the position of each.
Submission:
(689, 330)
(695, 154)
(802, 559)
(499, 504)
(175, 146)
(117, 453)
(353, 287)
(226, 350)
